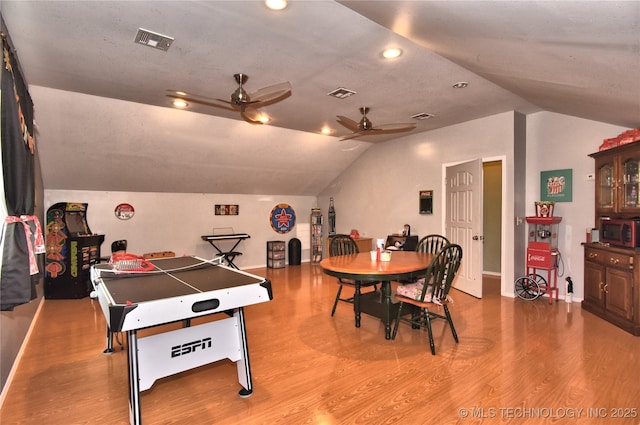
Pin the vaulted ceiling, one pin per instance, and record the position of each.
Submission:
(578, 58)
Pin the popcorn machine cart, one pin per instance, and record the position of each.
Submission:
(542, 254)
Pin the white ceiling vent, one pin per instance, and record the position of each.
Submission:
(153, 39)
(341, 93)
(422, 116)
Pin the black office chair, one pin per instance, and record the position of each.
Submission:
(428, 294)
(345, 245)
(119, 246)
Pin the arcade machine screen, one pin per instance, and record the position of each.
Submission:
(76, 223)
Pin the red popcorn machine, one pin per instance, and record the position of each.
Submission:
(542, 255)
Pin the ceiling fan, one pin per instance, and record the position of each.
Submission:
(366, 128)
(245, 103)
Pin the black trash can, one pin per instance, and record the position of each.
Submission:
(295, 252)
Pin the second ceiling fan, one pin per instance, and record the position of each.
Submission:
(366, 128)
(245, 103)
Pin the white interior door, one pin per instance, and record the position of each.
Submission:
(463, 223)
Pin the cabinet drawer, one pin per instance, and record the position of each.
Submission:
(275, 264)
(276, 255)
(605, 258)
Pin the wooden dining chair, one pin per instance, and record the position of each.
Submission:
(429, 294)
(429, 244)
(345, 245)
(432, 244)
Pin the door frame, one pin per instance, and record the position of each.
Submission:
(505, 287)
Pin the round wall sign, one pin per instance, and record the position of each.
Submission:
(283, 218)
(124, 211)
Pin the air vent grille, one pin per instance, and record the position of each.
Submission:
(421, 116)
(153, 39)
(341, 93)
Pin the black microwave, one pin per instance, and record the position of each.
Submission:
(620, 232)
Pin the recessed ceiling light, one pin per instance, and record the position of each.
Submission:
(179, 103)
(392, 53)
(326, 130)
(276, 4)
(461, 85)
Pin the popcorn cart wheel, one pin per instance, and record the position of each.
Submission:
(530, 287)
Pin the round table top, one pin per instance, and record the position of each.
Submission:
(403, 264)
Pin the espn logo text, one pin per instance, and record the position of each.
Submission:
(190, 347)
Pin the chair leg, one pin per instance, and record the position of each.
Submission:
(427, 320)
(453, 330)
(395, 326)
(335, 303)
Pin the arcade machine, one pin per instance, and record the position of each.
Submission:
(71, 250)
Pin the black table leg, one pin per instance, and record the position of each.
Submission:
(386, 308)
(356, 304)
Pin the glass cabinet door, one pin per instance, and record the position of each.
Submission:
(630, 184)
(605, 186)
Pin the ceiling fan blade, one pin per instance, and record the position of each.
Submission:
(347, 122)
(178, 94)
(267, 94)
(354, 135)
(227, 105)
(395, 128)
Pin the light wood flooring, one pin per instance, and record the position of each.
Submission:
(520, 362)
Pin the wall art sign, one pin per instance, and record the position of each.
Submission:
(124, 211)
(556, 185)
(426, 202)
(283, 218)
(227, 209)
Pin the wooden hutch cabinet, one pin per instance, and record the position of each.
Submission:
(612, 274)
(617, 182)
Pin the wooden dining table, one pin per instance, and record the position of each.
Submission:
(404, 265)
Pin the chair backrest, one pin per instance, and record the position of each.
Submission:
(117, 246)
(431, 244)
(342, 245)
(442, 271)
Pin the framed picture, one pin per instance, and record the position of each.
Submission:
(226, 209)
(426, 202)
(556, 185)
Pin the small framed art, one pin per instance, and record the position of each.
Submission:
(227, 209)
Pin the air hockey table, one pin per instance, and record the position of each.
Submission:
(176, 290)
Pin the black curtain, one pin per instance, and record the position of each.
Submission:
(21, 234)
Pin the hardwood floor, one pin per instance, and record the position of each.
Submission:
(521, 362)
